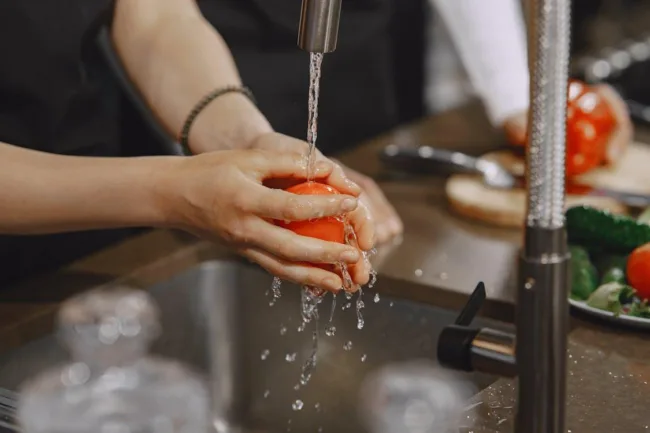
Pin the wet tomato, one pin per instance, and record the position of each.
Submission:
(638, 271)
(328, 228)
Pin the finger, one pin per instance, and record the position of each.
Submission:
(294, 272)
(285, 206)
(363, 227)
(360, 272)
(339, 180)
(389, 224)
(268, 164)
(290, 246)
(624, 131)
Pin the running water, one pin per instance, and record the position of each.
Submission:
(315, 63)
(311, 297)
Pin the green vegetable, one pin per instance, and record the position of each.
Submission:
(603, 230)
(640, 309)
(584, 277)
(611, 297)
(611, 268)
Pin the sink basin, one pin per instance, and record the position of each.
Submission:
(260, 393)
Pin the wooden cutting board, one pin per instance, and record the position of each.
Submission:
(469, 197)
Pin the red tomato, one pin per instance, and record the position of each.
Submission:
(328, 228)
(638, 271)
(590, 122)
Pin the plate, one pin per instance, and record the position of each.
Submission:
(636, 322)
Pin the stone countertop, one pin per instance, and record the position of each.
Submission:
(441, 255)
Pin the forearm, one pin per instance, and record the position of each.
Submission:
(175, 58)
(47, 193)
(490, 38)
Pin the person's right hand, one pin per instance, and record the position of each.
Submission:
(220, 195)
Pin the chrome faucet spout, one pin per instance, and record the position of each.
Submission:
(319, 25)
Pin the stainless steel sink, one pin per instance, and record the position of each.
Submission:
(259, 393)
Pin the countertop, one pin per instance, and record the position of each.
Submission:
(441, 254)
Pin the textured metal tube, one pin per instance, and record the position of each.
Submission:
(549, 29)
(319, 25)
(542, 317)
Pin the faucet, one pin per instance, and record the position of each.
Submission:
(537, 354)
(319, 25)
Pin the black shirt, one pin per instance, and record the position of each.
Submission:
(54, 97)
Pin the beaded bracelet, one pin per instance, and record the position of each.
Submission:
(204, 102)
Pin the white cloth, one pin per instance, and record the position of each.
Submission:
(490, 39)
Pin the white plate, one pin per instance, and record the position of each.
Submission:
(637, 322)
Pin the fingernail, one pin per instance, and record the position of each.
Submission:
(349, 204)
(350, 256)
(323, 166)
(332, 284)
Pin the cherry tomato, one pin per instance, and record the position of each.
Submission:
(590, 122)
(328, 229)
(638, 271)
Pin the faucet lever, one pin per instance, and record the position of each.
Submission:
(472, 307)
(461, 347)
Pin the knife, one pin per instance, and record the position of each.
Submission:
(431, 160)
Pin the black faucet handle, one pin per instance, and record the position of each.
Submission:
(472, 307)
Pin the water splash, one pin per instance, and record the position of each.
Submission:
(297, 405)
(310, 364)
(330, 329)
(364, 357)
(276, 293)
(265, 354)
(290, 357)
(347, 346)
(360, 306)
(376, 299)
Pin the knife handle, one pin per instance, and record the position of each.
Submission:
(428, 160)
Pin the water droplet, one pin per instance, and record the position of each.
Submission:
(302, 327)
(275, 288)
(297, 405)
(317, 407)
(267, 393)
(347, 346)
(376, 299)
(265, 354)
(443, 276)
(360, 306)
(391, 304)
(320, 429)
(290, 357)
(418, 272)
(348, 295)
(296, 387)
(346, 306)
(283, 330)
(330, 331)
(364, 357)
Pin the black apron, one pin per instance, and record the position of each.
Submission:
(51, 101)
(54, 99)
(357, 99)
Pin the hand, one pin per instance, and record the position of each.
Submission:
(388, 224)
(386, 220)
(220, 195)
(516, 126)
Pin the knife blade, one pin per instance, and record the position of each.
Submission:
(434, 161)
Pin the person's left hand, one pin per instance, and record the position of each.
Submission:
(388, 224)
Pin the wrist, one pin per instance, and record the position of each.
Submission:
(232, 121)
